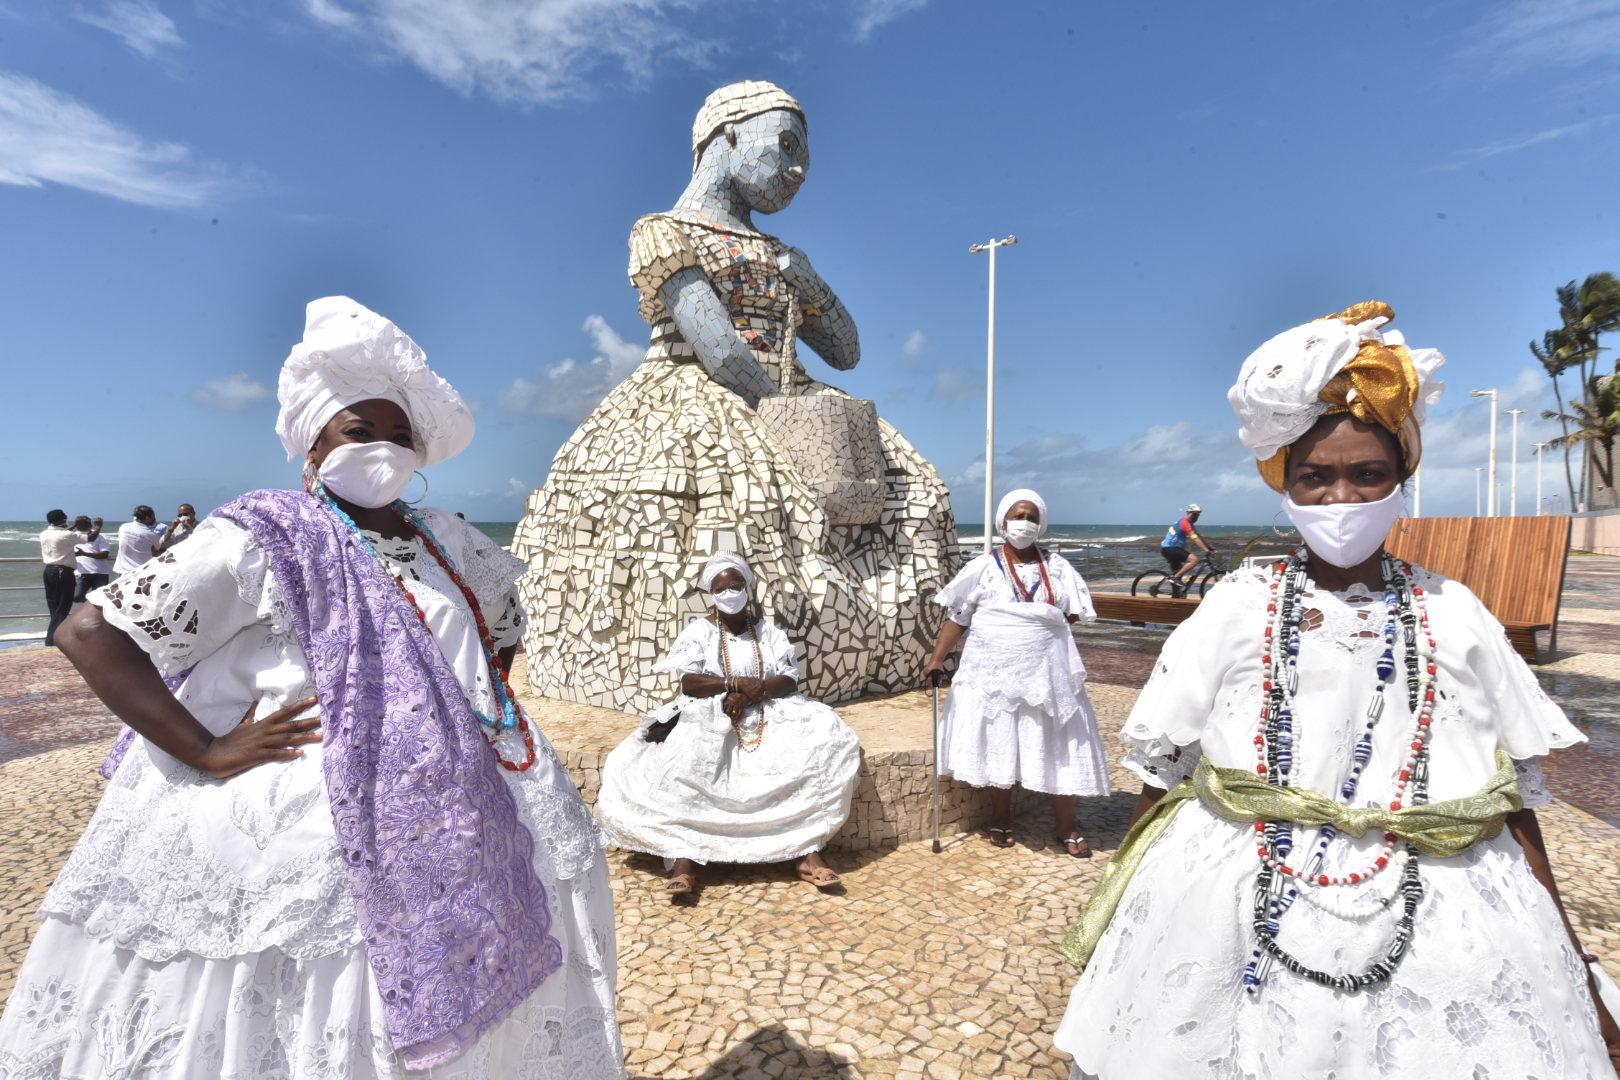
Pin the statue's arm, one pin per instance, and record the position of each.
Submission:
(828, 327)
(703, 321)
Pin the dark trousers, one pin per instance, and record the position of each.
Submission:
(58, 598)
(89, 583)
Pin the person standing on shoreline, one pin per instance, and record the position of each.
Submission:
(56, 544)
(1018, 711)
(180, 529)
(137, 540)
(92, 557)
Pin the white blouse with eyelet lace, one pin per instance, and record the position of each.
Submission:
(219, 914)
(1490, 987)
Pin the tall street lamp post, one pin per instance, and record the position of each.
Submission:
(1513, 467)
(1477, 470)
(1540, 446)
(990, 391)
(1491, 491)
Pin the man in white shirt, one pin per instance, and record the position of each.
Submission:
(181, 528)
(93, 558)
(56, 546)
(137, 541)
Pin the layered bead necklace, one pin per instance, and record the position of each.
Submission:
(511, 717)
(749, 743)
(1004, 560)
(1279, 883)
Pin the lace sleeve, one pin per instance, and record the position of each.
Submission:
(961, 596)
(183, 605)
(690, 653)
(507, 628)
(779, 651)
(489, 570)
(1532, 784)
(1161, 770)
(1073, 591)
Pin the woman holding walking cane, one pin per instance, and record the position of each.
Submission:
(1018, 712)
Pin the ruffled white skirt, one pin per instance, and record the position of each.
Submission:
(698, 795)
(1490, 988)
(988, 740)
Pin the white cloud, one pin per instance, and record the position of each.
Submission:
(234, 392)
(916, 344)
(1524, 142)
(517, 488)
(872, 14)
(1546, 35)
(569, 389)
(956, 386)
(137, 23)
(533, 51)
(49, 137)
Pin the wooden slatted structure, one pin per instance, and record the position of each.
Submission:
(1515, 565)
(1123, 607)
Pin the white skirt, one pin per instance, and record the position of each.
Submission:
(88, 1009)
(1490, 987)
(989, 741)
(698, 795)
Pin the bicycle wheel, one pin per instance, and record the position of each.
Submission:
(1149, 583)
(1209, 579)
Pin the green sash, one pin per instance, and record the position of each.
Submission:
(1440, 830)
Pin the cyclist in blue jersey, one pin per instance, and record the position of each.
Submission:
(1177, 550)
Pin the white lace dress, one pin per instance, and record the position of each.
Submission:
(699, 795)
(1018, 711)
(205, 929)
(1490, 988)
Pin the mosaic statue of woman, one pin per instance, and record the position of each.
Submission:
(721, 440)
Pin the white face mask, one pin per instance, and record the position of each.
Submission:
(1346, 534)
(369, 474)
(1020, 534)
(731, 601)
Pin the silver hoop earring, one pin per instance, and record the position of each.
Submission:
(417, 501)
(1275, 529)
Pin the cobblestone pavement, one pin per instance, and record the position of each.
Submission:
(927, 966)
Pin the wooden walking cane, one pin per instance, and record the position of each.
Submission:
(935, 682)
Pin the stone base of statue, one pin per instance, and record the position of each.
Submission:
(672, 467)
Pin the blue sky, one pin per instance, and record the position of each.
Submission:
(178, 177)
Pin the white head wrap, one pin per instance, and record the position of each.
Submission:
(733, 104)
(1277, 396)
(1016, 496)
(350, 353)
(719, 563)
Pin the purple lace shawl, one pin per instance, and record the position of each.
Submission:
(456, 924)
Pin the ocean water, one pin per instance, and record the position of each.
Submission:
(1108, 556)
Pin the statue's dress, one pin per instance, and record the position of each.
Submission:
(672, 466)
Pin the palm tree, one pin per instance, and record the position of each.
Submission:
(1597, 424)
(1556, 354)
(1589, 310)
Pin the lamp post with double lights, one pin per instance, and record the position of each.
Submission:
(1513, 466)
(990, 391)
(1491, 490)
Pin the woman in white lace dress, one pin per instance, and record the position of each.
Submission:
(1018, 711)
(1329, 889)
(383, 870)
(741, 767)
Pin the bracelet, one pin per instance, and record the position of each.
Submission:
(1588, 958)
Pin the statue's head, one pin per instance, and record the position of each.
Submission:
(753, 134)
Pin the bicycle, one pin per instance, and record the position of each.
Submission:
(1211, 568)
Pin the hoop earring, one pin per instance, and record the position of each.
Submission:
(417, 501)
(1274, 528)
(309, 476)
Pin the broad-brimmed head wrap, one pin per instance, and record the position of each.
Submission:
(735, 103)
(1016, 496)
(719, 563)
(350, 353)
(1342, 363)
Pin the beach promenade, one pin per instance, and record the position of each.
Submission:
(929, 965)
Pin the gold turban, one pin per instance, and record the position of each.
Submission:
(735, 103)
(1381, 384)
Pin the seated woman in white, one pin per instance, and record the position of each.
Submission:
(741, 767)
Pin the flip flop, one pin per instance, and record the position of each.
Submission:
(680, 884)
(1000, 837)
(1076, 845)
(822, 877)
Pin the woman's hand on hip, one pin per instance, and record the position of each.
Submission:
(255, 742)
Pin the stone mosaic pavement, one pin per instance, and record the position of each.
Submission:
(928, 966)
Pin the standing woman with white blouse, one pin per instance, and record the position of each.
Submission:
(337, 847)
(1336, 868)
(1018, 711)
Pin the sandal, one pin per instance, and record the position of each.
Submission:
(1076, 845)
(822, 877)
(1000, 837)
(680, 884)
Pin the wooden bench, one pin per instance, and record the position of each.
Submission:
(1122, 607)
(1515, 565)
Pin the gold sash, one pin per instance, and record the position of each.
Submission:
(1440, 830)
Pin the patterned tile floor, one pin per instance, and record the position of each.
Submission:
(928, 966)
